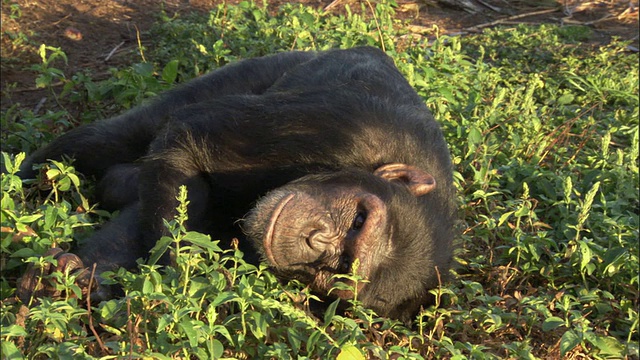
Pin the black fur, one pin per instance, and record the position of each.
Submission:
(257, 125)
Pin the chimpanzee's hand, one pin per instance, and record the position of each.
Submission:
(37, 281)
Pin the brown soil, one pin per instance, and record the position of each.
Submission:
(99, 34)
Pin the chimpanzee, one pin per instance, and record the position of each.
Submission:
(324, 157)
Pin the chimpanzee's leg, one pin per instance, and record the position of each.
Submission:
(98, 146)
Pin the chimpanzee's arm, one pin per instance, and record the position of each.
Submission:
(117, 244)
(125, 138)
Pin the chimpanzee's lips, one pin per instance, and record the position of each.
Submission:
(268, 238)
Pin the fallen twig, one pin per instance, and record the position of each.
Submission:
(93, 329)
(39, 106)
(61, 20)
(489, 6)
(35, 88)
(332, 5)
(113, 51)
(510, 18)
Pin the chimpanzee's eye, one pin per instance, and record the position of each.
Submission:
(358, 221)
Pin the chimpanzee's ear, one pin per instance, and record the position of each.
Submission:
(416, 180)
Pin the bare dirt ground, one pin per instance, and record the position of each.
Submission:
(89, 31)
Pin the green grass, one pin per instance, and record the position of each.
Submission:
(543, 131)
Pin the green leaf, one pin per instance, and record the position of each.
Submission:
(170, 72)
(110, 308)
(504, 217)
(568, 341)
(8, 164)
(565, 99)
(613, 260)
(52, 173)
(585, 254)
(551, 323)
(159, 356)
(608, 346)
(523, 210)
(23, 253)
(313, 339)
(447, 94)
(111, 329)
(74, 179)
(10, 351)
(475, 136)
(350, 352)
(27, 219)
(223, 298)
(147, 286)
(164, 320)
(143, 69)
(13, 330)
(201, 240)
(331, 311)
(187, 326)
(259, 324)
(42, 81)
(64, 184)
(159, 249)
(218, 349)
